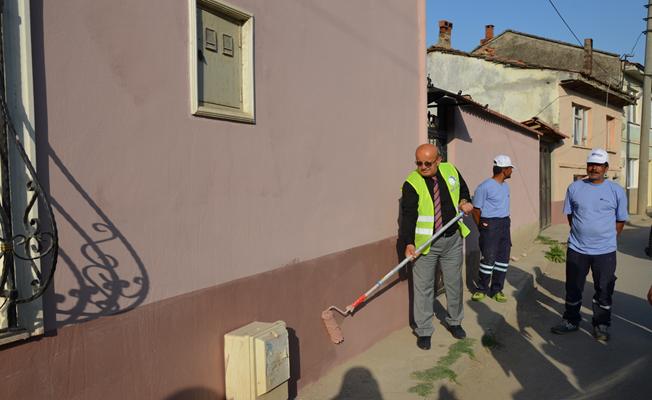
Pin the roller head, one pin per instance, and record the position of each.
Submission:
(331, 326)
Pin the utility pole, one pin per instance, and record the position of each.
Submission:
(644, 151)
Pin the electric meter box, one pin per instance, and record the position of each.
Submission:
(257, 362)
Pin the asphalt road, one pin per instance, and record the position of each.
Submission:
(526, 361)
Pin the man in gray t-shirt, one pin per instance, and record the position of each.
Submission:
(597, 210)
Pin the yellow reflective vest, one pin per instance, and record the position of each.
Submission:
(426, 209)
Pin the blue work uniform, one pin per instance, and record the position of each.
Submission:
(492, 198)
(595, 209)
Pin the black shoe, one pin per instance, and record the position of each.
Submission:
(564, 327)
(423, 342)
(457, 331)
(601, 332)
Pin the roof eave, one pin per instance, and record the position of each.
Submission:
(461, 100)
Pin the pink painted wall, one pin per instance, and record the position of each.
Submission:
(153, 202)
(478, 139)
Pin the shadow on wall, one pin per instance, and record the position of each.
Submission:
(108, 273)
(460, 130)
(106, 283)
(359, 383)
(195, 394)
(295, 362)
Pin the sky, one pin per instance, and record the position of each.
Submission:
(614, 25)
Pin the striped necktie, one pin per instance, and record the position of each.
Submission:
(436, 201)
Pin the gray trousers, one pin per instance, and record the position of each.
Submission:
(448, 252)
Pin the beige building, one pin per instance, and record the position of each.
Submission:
(526, 77)
(631, 137)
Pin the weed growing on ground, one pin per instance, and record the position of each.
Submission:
(546, 240)
(442, 370)
(422, 389)
(557, 251)
(556, 254)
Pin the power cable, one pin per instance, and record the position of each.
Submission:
(579, 42)
(564, 21)
(631, 52)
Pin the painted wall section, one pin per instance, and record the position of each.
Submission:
(153, 202)
(518, 93)
(570, 158)
(173, 349)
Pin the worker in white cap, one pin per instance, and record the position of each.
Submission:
(491, 214)
(597, 211)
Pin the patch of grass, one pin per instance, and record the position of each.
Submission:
(556, 254)
(422, 389)
(557, 251)
(464, 346)
(546, 240)
(442, 370)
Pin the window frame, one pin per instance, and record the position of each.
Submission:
(631, 179)
(247, 111)
(610, 133)
(584, 139)
(631, 113)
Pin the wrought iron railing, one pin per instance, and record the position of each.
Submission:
(30, 248)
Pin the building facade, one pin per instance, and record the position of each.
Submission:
(631, 137)
(586, 110)
(209, 165)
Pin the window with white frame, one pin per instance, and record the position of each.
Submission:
(631, 113)
(580, 125)
(221, 61)
(610, 133)
(632, 173)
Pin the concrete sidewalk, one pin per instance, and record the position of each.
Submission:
(390, 368)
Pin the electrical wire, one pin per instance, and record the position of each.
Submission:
(580, 43)
(549, 104)
(631, 52)
(564, 21)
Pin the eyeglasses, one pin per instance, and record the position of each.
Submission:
(427, 164)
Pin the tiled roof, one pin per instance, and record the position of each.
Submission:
(545, 128)
(541, 38)
(467, 100)
(521, 64)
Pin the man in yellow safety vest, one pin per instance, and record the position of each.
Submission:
(432, 195)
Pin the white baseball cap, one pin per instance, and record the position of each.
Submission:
(597, 156)
(503, 161)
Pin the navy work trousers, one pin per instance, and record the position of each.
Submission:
(495, 246)
(603, 267)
